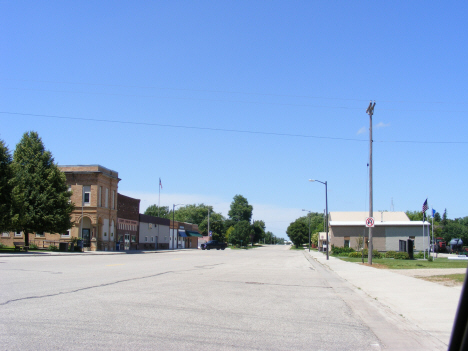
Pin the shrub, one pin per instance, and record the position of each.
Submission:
(341, 251)
(355, 254)
(33, 246)
(2, 245)
(401, 256)
(390, 254)
(430, 259)
(52, 248)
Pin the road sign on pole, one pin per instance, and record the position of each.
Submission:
(370, 222)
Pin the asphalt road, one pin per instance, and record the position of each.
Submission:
(268, 298)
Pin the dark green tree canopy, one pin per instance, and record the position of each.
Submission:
(298, 232)
(241, 233)
(5, 187)
(40, 196)
(240, 209)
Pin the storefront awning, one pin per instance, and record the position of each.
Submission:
(191, 233)
(182, 233)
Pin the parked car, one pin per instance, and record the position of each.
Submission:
(215, 244)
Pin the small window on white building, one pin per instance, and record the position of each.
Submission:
(152, 239)
(146, 239)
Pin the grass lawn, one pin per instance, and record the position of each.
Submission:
(293, 247)
(389, 263)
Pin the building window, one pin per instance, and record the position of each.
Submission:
(146, 239)
(346, 241)
(100, 197)
(5, 234)
(152, 239)
(66, 234)
(40, 235)
(86, 195)
(18, 233)
(133, 238)
(113, 199)
(107, 198)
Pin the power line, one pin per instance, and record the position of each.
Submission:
(227, 130)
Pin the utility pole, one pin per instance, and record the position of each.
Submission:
(208, 222)
(370, 112)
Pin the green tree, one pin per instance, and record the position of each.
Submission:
(229, 234)
(298, 232)
(217, 226)
(240, 209)
(5, 187)
(415, 215)
(40, 196)
(155, 211)
(193, 213)
(241, 233)
(258, 231)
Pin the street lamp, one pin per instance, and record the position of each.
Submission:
(308, 215)
(173, 226)
(326, 206)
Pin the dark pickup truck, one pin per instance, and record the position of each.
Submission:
(215, 244)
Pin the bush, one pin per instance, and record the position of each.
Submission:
(430, 259)
(341, 251)
(390, 254)
(33, 246)
(355, 254)
(52, 248)
(421, 254)
(401, 256)
(2, 245)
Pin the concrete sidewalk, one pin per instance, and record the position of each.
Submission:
(430, 306)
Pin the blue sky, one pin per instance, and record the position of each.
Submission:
(220, 98)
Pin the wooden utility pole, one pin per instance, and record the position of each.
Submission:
(370, 112)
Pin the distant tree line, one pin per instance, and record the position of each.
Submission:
(237, 229)
(444, 227)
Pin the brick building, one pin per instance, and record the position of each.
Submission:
(128, 218)
(183, 235)
(94, 219)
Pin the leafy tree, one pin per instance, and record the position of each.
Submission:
(415, 215)
(155, 211)
(298, 232)
(444, 218)
(193, 213)
(217, 226)
(240, 209)
(241, 233)
(40, 196)
(437, 218)
(5, 187)
(258, 231)
(229, 234)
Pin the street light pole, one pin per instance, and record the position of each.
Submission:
(370, 112)
(326, 208)
(308, 215)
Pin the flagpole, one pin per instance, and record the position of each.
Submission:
(159, 201)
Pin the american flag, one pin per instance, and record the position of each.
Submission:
(425, 207)
(160, 184)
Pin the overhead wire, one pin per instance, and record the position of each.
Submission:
(245, 131)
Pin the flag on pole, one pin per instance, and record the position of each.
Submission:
(433, 213)
(425, 207)
(160, 184)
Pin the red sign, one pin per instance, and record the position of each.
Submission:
(369, 222)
